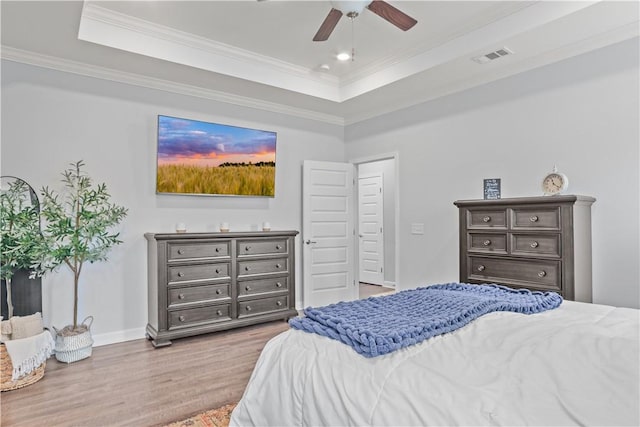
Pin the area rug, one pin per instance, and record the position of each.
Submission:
(214, 418)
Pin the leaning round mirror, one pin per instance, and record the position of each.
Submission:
(18, 193)
(20, 232)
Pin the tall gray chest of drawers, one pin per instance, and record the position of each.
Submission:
(538, 243)
(207, 282)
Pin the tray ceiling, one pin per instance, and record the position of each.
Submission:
(260, 53)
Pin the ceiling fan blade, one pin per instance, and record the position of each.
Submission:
(391, 14)
(328, 25)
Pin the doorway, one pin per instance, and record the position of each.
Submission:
(377, 222)
(330, 230)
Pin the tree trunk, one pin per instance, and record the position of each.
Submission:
(9, 300)
(76, 278)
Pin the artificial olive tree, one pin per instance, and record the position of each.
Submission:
(79, 223)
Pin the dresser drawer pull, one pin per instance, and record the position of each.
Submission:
(278, 303)
(180, 274)
(486, 242)
(481, 267)
(217, 250)
(533, 218)
(542, 273)
(181, 318)
(247, 268)
(218, 291)
(247, 248)
(278, 285)
(248, 308)
(180, 251)
(247, 288)
(217, 271)
(219, 312)
(486, 218)
(180, 296)
(278, 265)
(534, 244)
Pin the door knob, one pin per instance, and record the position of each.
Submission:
(308, 242)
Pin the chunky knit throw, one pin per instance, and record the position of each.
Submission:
(380, 325)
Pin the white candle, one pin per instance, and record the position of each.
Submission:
(181, 227)
(224, 226)
(266, 226)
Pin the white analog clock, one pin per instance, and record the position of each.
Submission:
(554, 183)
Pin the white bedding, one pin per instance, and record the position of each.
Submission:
(575, 365)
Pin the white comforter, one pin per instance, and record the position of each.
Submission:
(575, 365)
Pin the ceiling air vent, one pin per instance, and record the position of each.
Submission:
(483, 59)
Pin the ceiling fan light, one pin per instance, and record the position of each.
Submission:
(350, 6)
(343, 56)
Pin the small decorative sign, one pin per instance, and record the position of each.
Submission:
(492, 189)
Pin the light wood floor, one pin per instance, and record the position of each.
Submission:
(366, 290)
(133, 384)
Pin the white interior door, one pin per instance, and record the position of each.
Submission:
(328, 227)
(371, 237)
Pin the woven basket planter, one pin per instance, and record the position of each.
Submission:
(6, 372)
(72, 348)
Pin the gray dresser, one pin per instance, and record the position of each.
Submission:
(206, 282)
(538, 243)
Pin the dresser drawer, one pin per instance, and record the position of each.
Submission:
(181, 251)
(262, 247)
(539, 274)
(213, 313)
(261, 286)
(484, 242)
(547, 218)
(196, 272)
(487, 218)
(178, 296)
(275, 265)
(263, 305)
(535, 244)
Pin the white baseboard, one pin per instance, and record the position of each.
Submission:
(118, 336)
(388, 284)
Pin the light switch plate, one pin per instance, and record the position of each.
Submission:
(417, 228)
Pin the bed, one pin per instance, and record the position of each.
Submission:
(577, 364)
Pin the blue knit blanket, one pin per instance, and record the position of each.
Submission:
(380, 325)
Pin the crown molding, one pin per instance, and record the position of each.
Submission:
(74, 67)
(606, 38)
(489, 17)
(526, 19)
(117, 30)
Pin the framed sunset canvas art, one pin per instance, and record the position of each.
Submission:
(202, 158)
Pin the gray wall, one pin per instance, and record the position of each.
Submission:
(50, 119)
(581, 114)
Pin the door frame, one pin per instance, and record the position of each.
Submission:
(373, 158)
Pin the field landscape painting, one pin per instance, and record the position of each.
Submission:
(197, 157)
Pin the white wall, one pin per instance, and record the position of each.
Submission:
(50, 119)
(581, 114)
(387, 169)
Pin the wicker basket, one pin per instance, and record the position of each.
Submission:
(6, 372)
(75, 347)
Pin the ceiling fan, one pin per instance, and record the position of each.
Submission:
(353, 8)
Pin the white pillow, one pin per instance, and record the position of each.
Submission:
(26, 326)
